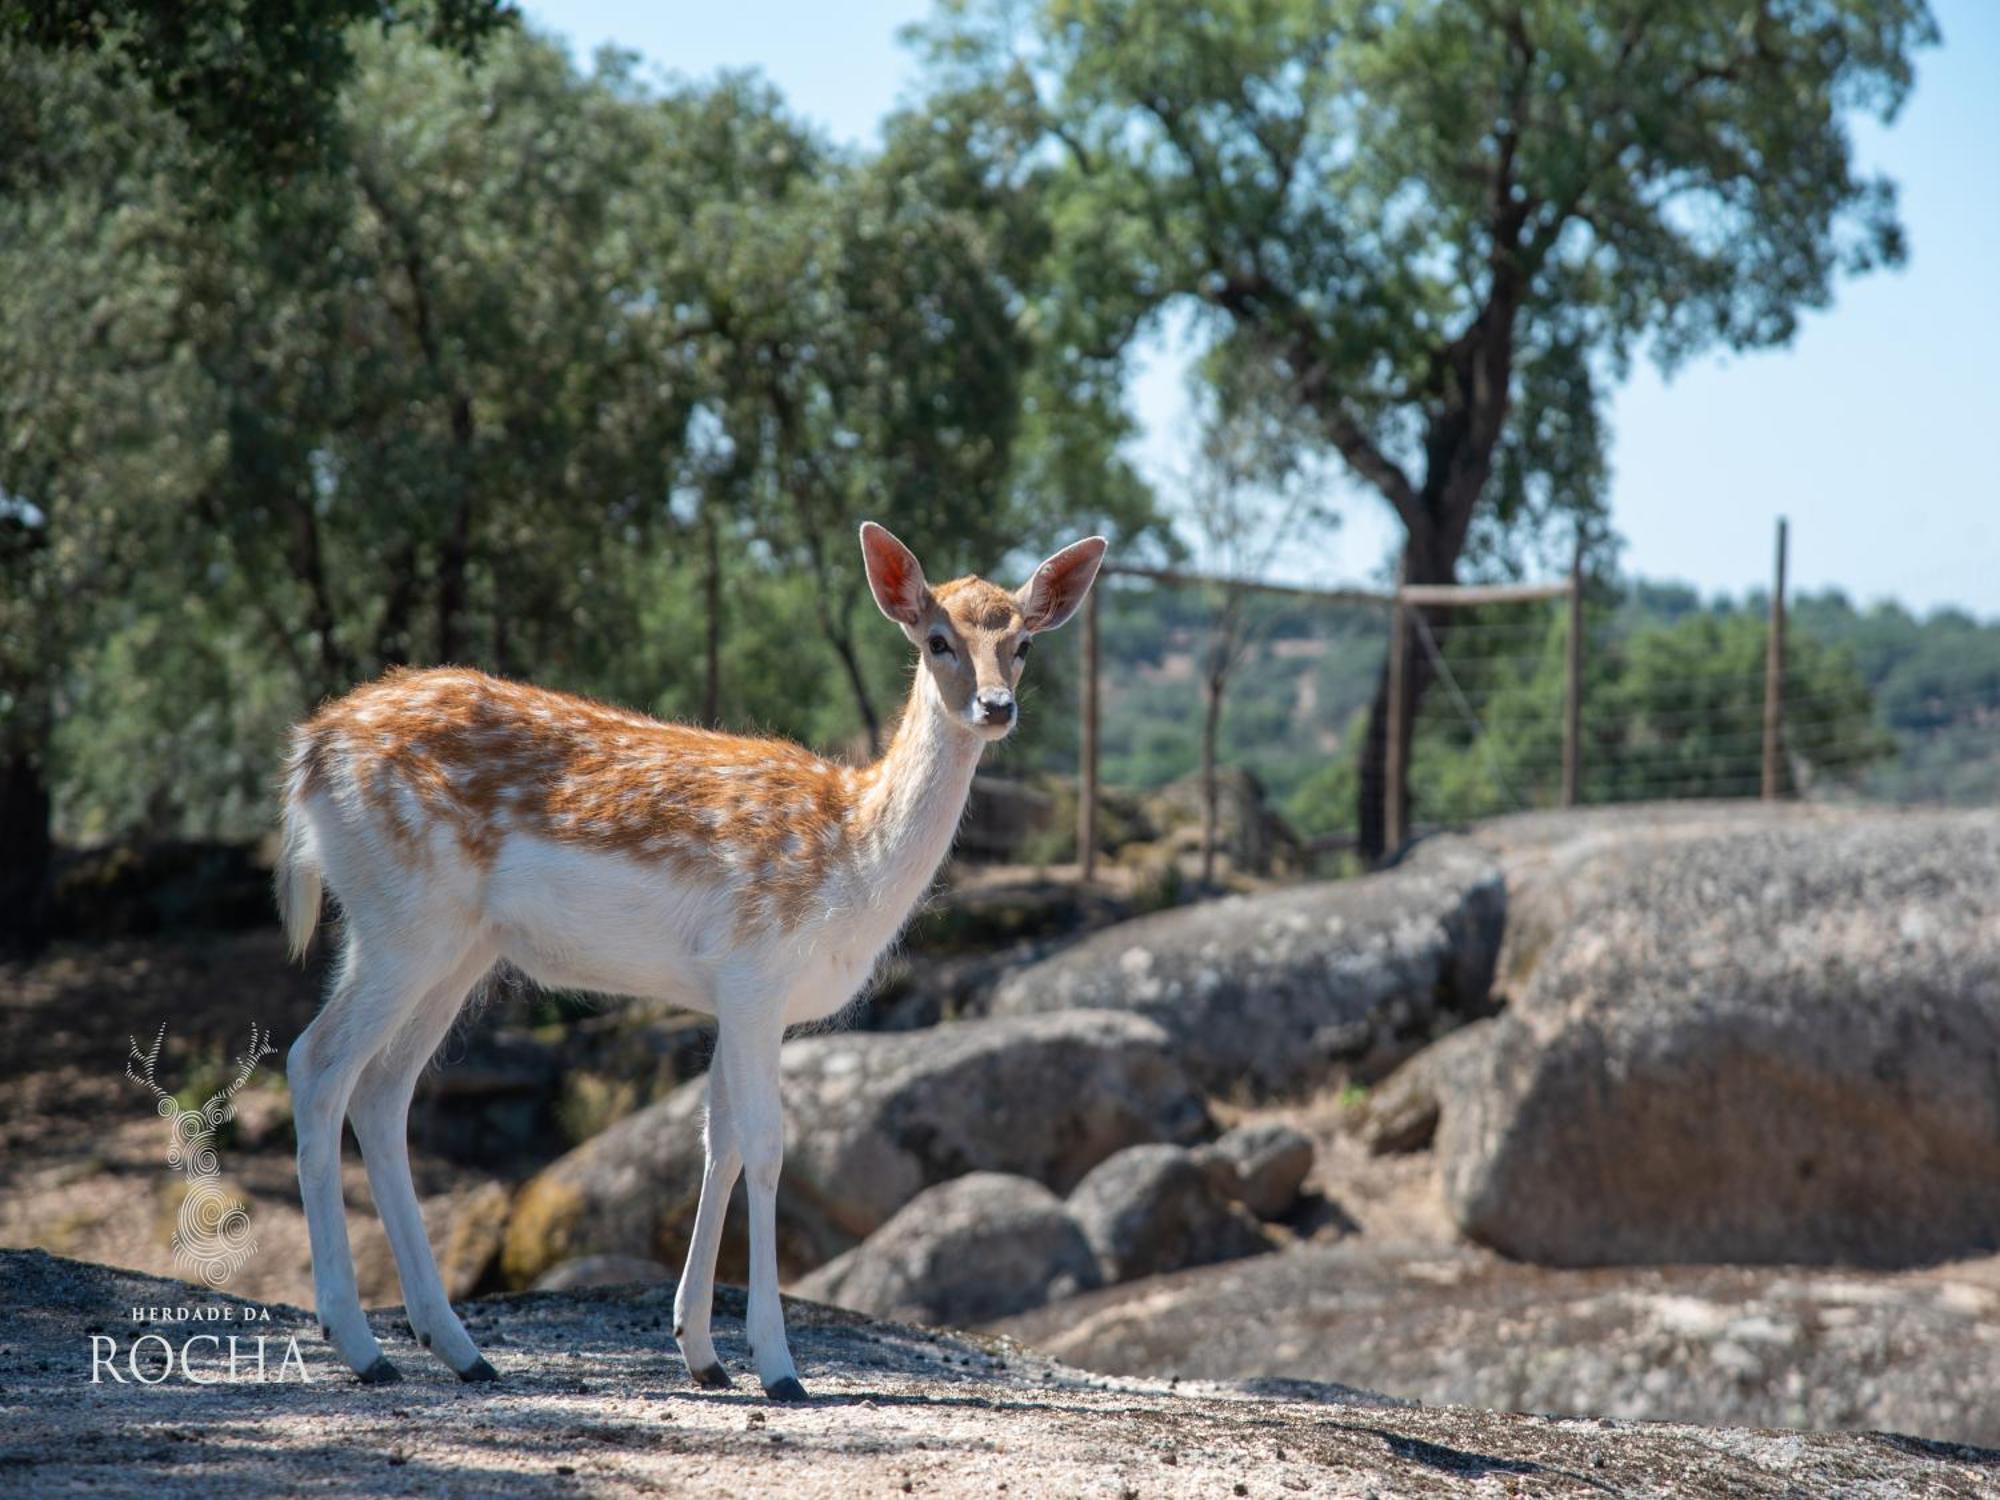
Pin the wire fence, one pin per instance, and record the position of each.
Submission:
(1671, 706)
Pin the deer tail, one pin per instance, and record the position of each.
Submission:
(298, 873)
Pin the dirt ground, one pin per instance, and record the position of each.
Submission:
(83, 1168)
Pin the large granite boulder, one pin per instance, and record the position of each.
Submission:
(1759, 1346)
(1541, 853)
(1275, 993)
(1152, 1209)
(1774, 1045)
(982, 1246)
(871, 1120)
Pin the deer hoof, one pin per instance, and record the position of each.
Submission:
(381, 1373)
(787, 1389)
(711, 1377)
(478, 1372)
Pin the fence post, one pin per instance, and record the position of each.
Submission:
(1086, 802)
(1573, 684)
(1396, 759)
(1774, 682)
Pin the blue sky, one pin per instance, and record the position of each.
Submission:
(1875, 431)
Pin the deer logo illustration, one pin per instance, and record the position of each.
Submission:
(212, 1237)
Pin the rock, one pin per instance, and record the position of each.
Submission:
(466, 1228)
(1152, 1209)
(1774, 1045)
(1251, 835)
(590, 1399)
(1400, 1114)
(979, 1247)
(602, 1270)
(1261, 1166)
(1002, 815)
(1276, 993)
(1538, 853)
(1754, 1346)
(871, 1120)
(468, 1240)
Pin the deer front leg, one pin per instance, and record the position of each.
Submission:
(694, 1298)
(747, 1053)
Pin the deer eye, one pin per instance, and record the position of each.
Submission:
(1021, 651)
(940, 646)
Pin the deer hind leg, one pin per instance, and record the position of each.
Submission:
(378, 985)
(379, 1110)
(747, 1053)
(694, 1298)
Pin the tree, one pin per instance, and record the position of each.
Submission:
(260, 82)
(544, 371)
(102, 177)
(102, 415)
(1248, 501)
(1448, 227)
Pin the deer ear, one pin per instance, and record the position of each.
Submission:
(1059, 584)
(894, 576)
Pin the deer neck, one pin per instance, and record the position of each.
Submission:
(913, 798)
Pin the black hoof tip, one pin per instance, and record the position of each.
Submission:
(787, 1389)
(478, 1372)
(381, 1373)
(711, 1377)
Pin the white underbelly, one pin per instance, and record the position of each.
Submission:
(584, 919)
(574, 918)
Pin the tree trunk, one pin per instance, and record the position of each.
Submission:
(1225, 641)
(711, 688)
(25, 835)
(457, 553)
(392, 640)
(336, 669)
(843, 647)
(1428, 558)
(1211, 820)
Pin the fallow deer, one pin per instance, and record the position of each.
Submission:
(462, 822)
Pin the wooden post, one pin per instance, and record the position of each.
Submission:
(1086, 800)
(1573, 684)
(1774, 682)
(1396, 759)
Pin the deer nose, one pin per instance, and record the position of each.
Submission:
(996, 706)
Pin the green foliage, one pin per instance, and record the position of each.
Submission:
(554, 373)
(261, 81)
(1427, 237)
(1446, 223)
(558, 373)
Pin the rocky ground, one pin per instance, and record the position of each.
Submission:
(1762, 1346)
(590, 1402)
(1760, 1042)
